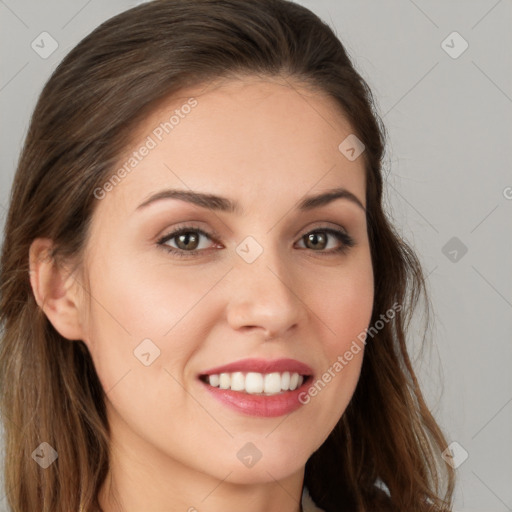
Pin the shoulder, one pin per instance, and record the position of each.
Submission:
(382, 492)
(307, 503)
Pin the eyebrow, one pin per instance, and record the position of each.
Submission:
(223, 204)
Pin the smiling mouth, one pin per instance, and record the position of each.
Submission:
(254, 383)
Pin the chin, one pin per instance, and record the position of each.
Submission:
(262, 473)
(266, 464)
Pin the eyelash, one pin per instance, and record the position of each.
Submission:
(347, 241)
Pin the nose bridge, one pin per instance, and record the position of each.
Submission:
(265, 296)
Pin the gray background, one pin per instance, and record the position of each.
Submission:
(449, 123)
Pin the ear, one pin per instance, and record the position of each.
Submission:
(55, 290)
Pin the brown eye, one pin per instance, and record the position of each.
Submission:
(316, 241)
(185, 241)
(188, 240)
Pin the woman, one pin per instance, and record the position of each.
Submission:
(204, 305)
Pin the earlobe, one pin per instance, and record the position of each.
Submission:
(54, 291)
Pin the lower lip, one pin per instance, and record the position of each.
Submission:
(260, 405)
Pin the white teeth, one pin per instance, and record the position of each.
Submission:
(214, 381)
(225, 381)
(272, 383)
(237, 381)
(285, 381)
(256, 383)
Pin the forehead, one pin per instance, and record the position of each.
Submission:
(254, 139)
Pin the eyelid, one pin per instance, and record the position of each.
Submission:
(338, 232)
(321, 225)
(189, 226)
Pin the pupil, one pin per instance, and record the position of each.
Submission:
(313, 237)
(185, 238)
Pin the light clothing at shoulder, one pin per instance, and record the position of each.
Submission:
(307, 503)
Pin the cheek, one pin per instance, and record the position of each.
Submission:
(140, 308)
(344, 306)
(344, 303)
(351, 314)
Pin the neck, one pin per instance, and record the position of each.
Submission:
(141, 478)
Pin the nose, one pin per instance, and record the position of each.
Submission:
(265, 297)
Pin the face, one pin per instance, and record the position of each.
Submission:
(195, 336)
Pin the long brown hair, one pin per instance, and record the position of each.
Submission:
(49, 390)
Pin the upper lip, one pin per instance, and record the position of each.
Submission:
(262, 366)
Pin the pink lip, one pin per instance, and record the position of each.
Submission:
(261, 405)
(262, 366)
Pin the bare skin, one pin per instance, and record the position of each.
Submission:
(266, 145)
